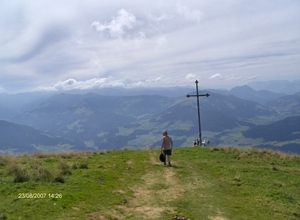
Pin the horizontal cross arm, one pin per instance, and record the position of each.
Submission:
(198, 95)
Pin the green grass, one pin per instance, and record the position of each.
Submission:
(203, 183)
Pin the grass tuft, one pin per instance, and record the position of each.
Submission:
(3, 161)
(63, 165)
(65, 168)
(83, 166)
(3, 216)
(19, 173)
(42, 174)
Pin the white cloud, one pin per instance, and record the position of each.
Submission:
(189, 14)
(139, 39)
(118, 26)
(190, 76)
(94, 83)
(253, 77)
(219, 76)
(160, 18)
(161, 42)
(216, 76)
(71, 84)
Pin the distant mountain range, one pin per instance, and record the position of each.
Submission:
(89, 116)
(261, 96)
(22, 138)
(86, 116)
(92, 121)
(287, 129)
(288, 105)
(278, 86)
(282, 135)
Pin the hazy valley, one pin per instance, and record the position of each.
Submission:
(124, 118)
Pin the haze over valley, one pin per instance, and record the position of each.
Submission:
(134, 118)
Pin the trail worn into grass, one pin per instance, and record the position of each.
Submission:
(152, 197)
(155, 196)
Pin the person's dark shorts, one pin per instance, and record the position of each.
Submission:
(167, 152)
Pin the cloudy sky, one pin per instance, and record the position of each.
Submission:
(65, 44)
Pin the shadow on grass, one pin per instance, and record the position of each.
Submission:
(174, 166)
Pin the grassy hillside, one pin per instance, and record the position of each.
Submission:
(203, 183)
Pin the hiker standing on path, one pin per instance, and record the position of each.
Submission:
(166, 147)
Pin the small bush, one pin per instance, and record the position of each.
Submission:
(35, 164)
(83, 166)
(42, 174)
(66, 172)
(74, 166)
(65, 168)
(66, 156)
(63, 165)
(103, 152)
(3, 161)
(19, 173)
(21, 178)
(40, 155)
(79, 166)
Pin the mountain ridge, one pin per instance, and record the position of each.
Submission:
(17, 138)
(101, 121)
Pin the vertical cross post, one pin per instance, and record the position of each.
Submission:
(198, 105)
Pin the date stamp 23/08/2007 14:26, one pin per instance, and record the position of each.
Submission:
(40, 195)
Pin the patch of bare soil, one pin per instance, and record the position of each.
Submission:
(97, 216)
(216, 218)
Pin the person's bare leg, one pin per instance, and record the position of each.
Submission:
(169, 159)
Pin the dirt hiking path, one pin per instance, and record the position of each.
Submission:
(153, 195)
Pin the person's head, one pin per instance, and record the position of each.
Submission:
(165, 133)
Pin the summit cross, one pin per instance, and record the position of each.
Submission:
(198, 95)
